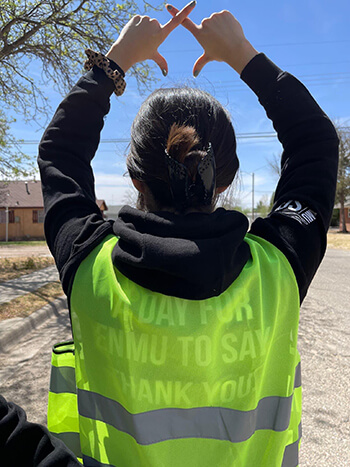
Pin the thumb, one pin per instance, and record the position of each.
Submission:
(161, 62)
(200, 63)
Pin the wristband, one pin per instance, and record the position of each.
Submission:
(98, 59)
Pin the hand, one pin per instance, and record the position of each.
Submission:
(222, 39)
(141, 37)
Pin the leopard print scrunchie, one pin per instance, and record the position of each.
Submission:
(98, 59)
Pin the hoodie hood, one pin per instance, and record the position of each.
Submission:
(194, 256)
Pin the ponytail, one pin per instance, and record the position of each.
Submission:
(191, 174)
(181, 141)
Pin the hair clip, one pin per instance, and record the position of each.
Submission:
(207, 175)
(183, 189)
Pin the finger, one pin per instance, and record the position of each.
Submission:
(178, 18)
(187, 23)
(161, 62)
(200, 63)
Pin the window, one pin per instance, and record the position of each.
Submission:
(38, 216)
(348, 213)
(3, 217)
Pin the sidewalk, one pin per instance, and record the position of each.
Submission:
(11, 330)
(26, 284)
(14, 329)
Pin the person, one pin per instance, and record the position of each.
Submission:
(184, 322)
(25, 444)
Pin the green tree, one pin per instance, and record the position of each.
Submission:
(42, 43)
(343, 180)
(262, 208)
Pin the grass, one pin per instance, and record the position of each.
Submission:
(27, 243)
(10, 268)
(338, 241)
(26, 304)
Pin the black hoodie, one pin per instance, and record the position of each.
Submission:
(195, 256)
(25, 444)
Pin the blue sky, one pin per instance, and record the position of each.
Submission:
(308, 38)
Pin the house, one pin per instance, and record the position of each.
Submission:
(22, 210)
(347, 213)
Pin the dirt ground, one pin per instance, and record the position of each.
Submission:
(12, 251)
(338, 241)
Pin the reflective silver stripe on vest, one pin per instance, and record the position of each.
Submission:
(90, 462)
(272, 413)
(71, 440)
(62, 379)
(291, 453)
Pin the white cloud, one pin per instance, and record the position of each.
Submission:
(110, 180)
(247, 180)
(112, 187)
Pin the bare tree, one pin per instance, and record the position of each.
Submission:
(343, 180)
(42, 43)
(130, 197)
(275, 164)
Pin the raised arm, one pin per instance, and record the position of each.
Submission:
(305, 192)
(73, 222)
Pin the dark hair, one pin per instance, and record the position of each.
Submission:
(199, 119)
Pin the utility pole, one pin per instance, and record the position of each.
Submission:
(7, 224)
(253, 185)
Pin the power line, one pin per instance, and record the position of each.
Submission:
(217, 70)
(286, 44)
(342, 74)
(252, 135)
(317, 80)
(310, 84)
(127, 140)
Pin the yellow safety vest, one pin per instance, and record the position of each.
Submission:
(163, 381)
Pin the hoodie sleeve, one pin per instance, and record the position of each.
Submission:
(304, 197)
(28, 444)
(73, 222)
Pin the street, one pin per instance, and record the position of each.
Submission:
(324, 344)
(25, 370)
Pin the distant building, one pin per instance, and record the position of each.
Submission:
(113, 211)
(22, 210)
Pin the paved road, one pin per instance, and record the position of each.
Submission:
(25, 370)
(27, 283)
(324, 345)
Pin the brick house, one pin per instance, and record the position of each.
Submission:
(22, 210)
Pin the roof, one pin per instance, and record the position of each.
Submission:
(21, 194)
(27, 194)
(101, 203)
